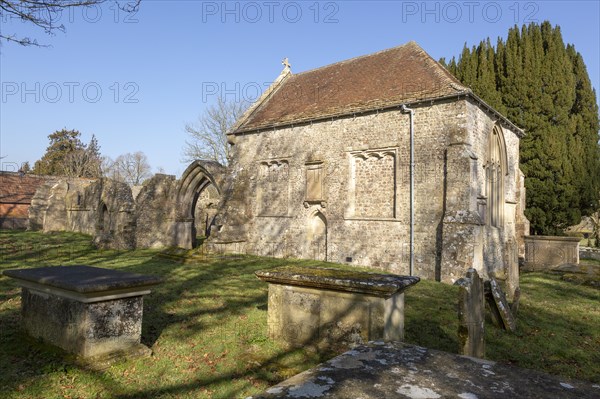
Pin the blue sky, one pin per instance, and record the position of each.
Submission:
(135, 80)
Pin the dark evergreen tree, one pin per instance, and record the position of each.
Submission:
(62, 143)
(543, 86)
(68, 156)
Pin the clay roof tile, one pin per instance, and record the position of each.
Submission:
(390, 77)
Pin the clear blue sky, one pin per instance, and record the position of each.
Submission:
(136, 81)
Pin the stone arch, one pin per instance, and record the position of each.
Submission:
(316, 236)
(496, 168)
(198, 176)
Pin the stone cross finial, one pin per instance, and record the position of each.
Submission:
(286, 63)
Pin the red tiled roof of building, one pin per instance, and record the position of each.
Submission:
(16, 188)
(399, 75)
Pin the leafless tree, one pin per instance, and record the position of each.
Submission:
(128, 168)
(46, 15)
(81, 163)
(208, 138)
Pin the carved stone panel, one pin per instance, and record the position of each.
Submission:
(314, 182)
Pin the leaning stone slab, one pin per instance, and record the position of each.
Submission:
(325, 306)
(501, 311)
(396, 370)
(88, 311)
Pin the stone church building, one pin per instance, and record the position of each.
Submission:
(321, 169)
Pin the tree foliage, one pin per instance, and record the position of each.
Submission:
(46, 15)
(128, 168)
(543, 86)
(208, 140)
(68, 156)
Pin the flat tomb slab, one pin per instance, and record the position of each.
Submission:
(84, 310)
(399, 371)
(326, 306)
(375, 284)
(83, 281)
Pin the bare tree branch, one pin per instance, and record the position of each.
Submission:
(45, 14)
(128, 168)
(208, 138)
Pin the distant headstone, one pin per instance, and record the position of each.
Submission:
(471, 320)
(501, 312)
(514, 306)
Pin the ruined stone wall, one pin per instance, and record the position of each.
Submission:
(101, 208)
(154, 212)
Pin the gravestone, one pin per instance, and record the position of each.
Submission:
(501, 312)
(471, 320)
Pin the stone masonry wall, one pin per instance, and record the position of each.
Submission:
(362, 166)
(101, 208)
(366, 208)
(154, 208)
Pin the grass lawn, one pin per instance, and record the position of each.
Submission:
(207, 327)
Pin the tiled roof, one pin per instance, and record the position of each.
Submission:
(18, 189)
(399, 75)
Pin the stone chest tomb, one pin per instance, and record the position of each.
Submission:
(323, 306)
(84, 310)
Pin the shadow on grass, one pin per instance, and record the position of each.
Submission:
(207, 327)
(209, 318)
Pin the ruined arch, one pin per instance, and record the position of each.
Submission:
(198, 176)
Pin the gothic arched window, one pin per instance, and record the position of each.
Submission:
(496, 168)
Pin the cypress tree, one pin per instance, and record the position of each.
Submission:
(543, 87)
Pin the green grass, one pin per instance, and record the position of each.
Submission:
(207, 327)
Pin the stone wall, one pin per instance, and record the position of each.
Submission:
(162, 214)
(547, 252)
(344, 195)
(101, 208)
(153, 214)
(589, 253)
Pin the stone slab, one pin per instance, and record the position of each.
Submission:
(501, 311)
(83, 279)
(376, 284)
(396, 370)
(471, 320)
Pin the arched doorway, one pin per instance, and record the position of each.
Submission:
(200, 179)
(317, 237)
(103, 219)
(204, 211)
